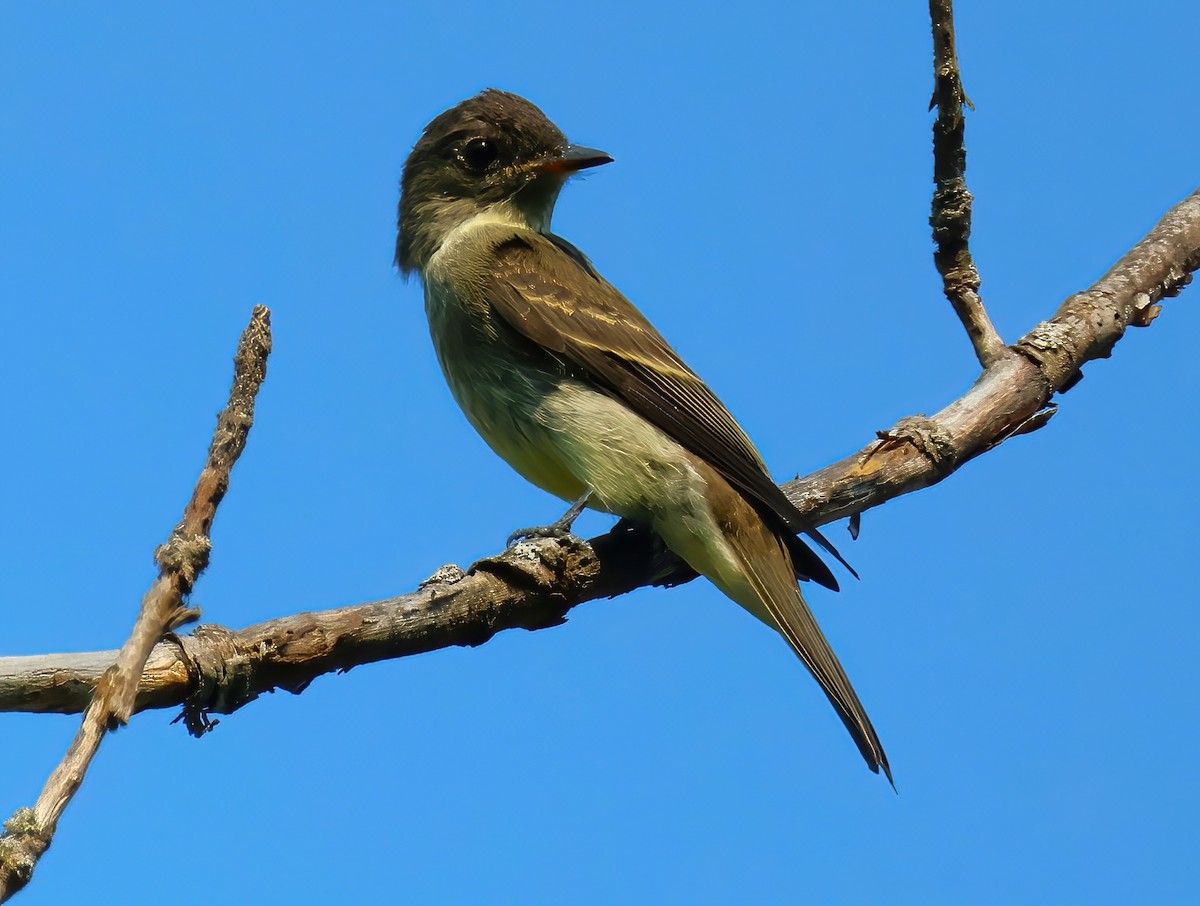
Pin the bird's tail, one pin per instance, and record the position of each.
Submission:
(751, 564)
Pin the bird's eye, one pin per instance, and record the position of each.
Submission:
(479, 154)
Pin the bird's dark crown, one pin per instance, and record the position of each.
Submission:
(476, 154)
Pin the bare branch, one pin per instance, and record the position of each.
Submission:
(530, 586)
(533, 585)
(951, 217)
(1010, 397)
(180, 560)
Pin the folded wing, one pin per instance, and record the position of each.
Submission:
(602, 334)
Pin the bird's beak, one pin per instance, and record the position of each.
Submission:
(573, 158)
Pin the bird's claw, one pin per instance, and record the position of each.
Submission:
(559, 530)
(554, 530)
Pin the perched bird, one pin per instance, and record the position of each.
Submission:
(573, 387)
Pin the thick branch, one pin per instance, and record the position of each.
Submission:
(951, 217)
(534, 585)
(181, 560)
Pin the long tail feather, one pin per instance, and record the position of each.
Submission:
(768, 567)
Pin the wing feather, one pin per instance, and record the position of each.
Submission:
(567, 309)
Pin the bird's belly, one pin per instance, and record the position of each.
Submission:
(499, 394)
(560, 433)
(504, 410)
(631, 467)
(569, 439)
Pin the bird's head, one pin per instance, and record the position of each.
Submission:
(495, 151)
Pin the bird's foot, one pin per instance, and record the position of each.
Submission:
(559, 530)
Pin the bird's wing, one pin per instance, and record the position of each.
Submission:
(563, 306)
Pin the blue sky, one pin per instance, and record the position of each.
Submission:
(1023, 636)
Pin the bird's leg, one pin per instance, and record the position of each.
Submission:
(560, 528)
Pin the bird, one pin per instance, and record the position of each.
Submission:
(573, 387)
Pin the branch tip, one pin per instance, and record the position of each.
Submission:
(181, 559)
(950, 215)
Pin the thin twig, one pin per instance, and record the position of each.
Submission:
(180, 560)
(535, 584)
(951, 217)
